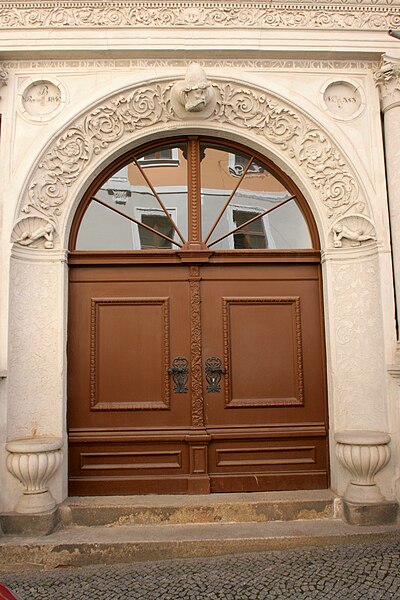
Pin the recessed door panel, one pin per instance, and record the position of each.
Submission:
(126, 335)
(130, 337)
(262, 351)
(268, 333)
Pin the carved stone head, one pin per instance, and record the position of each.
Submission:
(195, 93)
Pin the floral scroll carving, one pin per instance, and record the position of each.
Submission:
(346, 14)
(249, 109)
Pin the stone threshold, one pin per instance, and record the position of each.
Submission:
(211, 508)
(80, 545)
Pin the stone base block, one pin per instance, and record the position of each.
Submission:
(382, 513)
(39, 524)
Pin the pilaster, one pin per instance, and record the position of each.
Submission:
(388, 81)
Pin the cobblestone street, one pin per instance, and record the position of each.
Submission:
(341, 572)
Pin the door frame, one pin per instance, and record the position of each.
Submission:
(193, 256)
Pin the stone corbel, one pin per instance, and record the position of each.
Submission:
(33, 461)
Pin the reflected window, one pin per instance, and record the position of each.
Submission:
(163, 157)
(159, 223)
(251, 235)
(238, 163)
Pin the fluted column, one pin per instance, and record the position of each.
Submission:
(388, 81)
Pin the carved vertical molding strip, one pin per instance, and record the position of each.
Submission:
(196, 373)
(194, 237)
(359, 367)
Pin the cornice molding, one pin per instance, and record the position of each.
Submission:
(375, 15)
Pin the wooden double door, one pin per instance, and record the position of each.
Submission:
(191, 377)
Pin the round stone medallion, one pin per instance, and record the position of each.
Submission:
(41, 99)
(342, 99)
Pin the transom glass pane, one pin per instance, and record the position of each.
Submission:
(136, 191)
(242, 203)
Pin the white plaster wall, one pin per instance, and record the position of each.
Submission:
(357, 281)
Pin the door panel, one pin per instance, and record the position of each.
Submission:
(129, 353)
(127, 423)
(263, 406)
(125, 334)
(267, 421)
(265, 325)
(262, 351)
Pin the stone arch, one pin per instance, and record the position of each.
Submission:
(264, 120)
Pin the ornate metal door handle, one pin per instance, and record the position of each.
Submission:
(214, 372)
(179, 372)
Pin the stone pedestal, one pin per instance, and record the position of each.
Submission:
(364, 454)
(34, 461)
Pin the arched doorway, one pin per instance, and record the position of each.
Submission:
(196, 346)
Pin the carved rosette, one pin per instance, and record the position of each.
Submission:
(33, 461)
(364, 454)
(251, 110)
(387, 78)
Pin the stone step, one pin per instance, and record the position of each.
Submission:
(212, 508)
(78, 545)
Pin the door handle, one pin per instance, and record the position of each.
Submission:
(179, 372)
(214, 371)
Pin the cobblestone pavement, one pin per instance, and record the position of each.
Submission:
(343, 573)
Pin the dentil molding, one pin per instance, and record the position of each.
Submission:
(249, 110)
(375, 15)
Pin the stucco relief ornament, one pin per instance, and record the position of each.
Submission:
(194, 96)
(352, 230)
(34, 232)
(3, 76)
(250, 110)
(387, 78)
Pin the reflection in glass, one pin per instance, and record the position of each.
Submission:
(151, 192)
(251, 235)
(141, 193)
(149, 240)
(235, 187)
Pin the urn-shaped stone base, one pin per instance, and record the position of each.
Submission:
(34, 461)
(364, 454)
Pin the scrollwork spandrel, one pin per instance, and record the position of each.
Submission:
(249, 109)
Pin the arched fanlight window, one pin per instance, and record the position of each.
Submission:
(193, 193)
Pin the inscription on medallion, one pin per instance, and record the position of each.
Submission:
(41, 98)
(343, 99)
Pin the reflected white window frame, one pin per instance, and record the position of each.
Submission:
(161, 162)
(256, 210)
(236, 169)
(140, 211)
